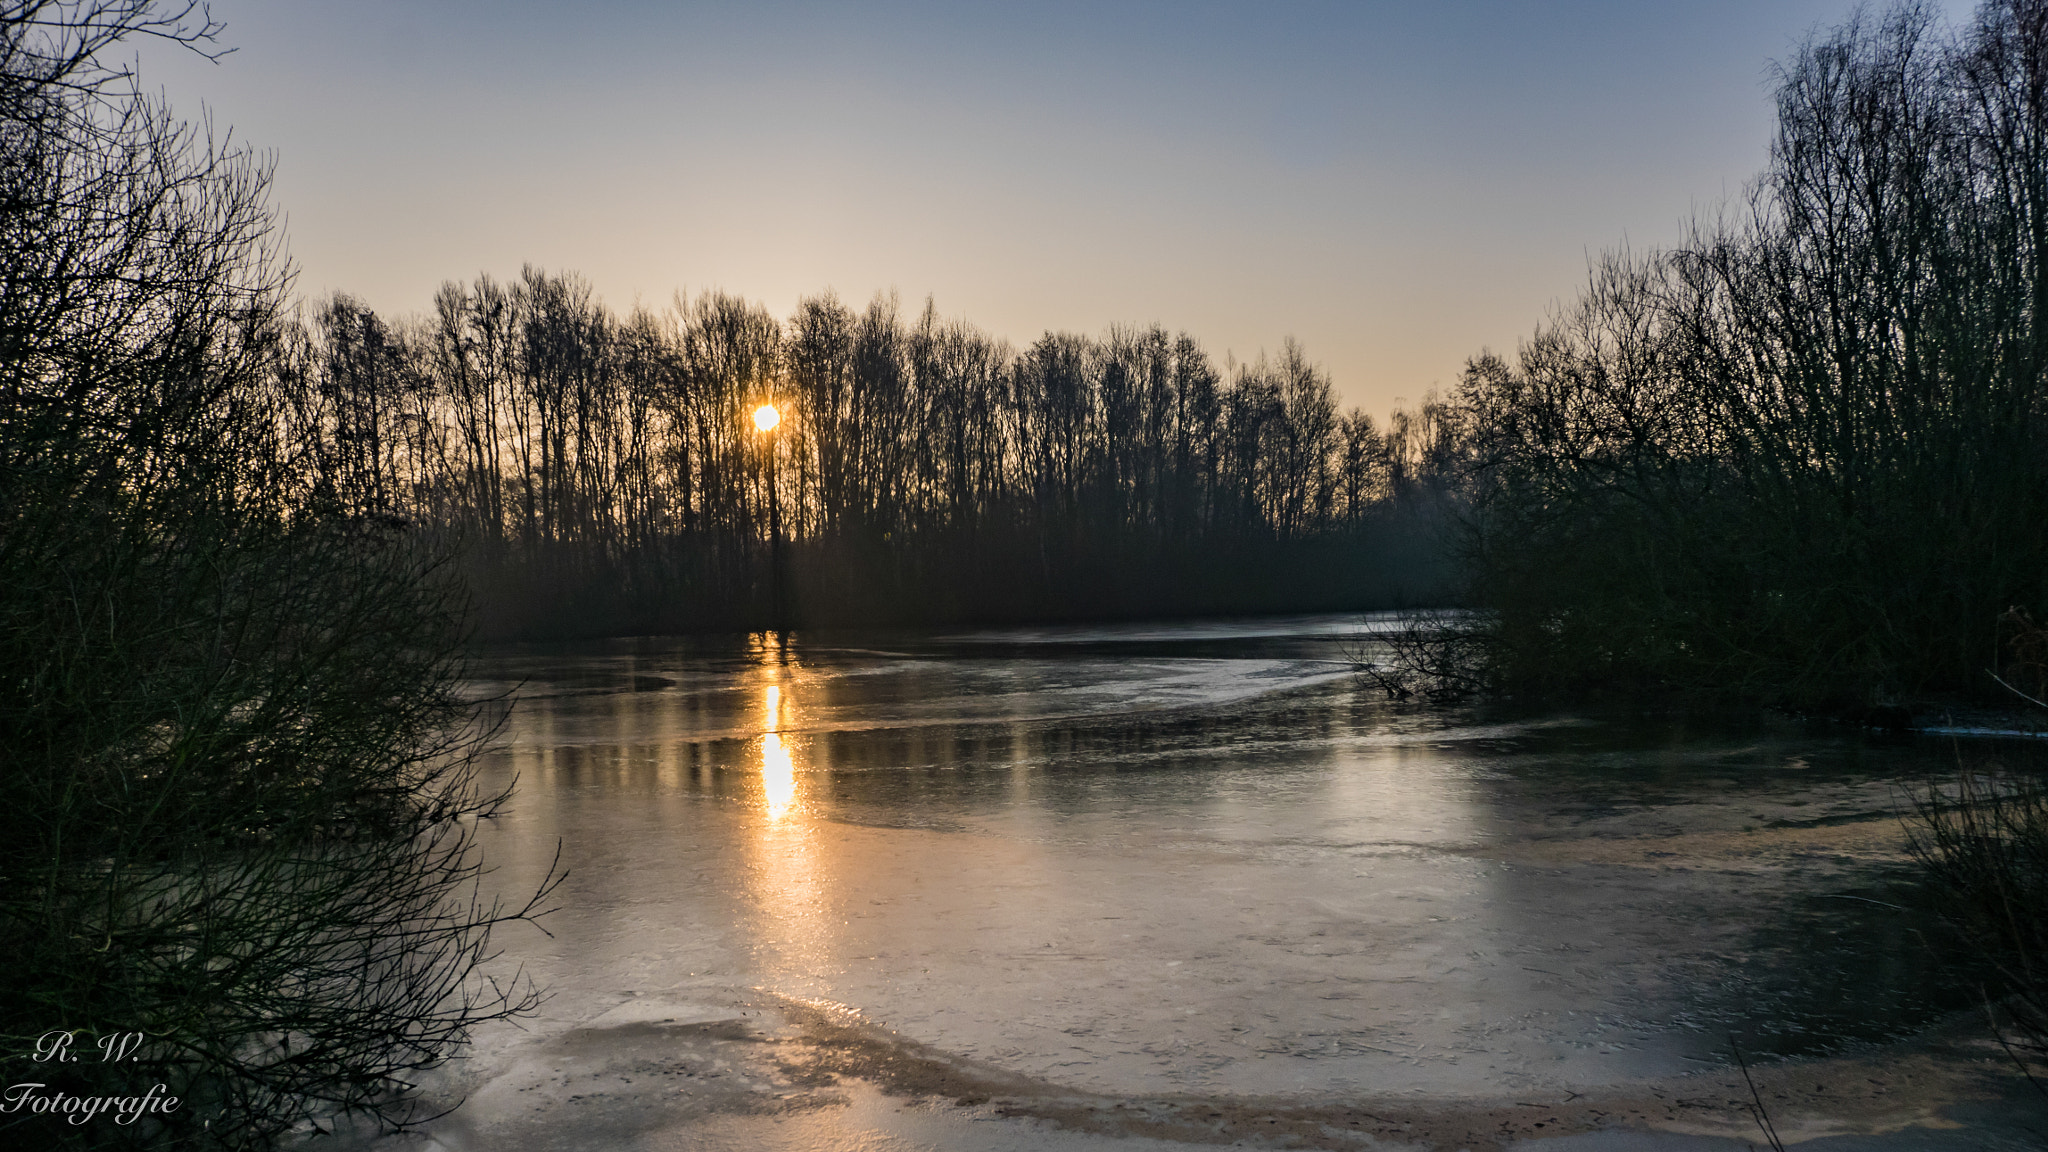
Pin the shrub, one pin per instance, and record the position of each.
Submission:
(239, 775)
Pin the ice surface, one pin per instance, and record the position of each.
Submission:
(1166, 861)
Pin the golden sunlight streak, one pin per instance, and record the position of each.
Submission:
(778, 776)
(791, 889)
(778, 766)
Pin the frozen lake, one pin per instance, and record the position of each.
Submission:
(1195, 862)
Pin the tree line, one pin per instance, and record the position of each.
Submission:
(1804, 452)
(599, 472)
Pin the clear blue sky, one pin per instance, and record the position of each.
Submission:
(1395, 185)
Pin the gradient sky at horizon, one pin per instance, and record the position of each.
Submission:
(1397, 186)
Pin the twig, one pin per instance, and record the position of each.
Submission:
(2013, 690)
(1865, 899)
(1756, 1108)
(2006, 1044)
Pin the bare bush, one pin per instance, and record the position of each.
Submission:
(1437, 655)
(1984, 843)
(240, 776)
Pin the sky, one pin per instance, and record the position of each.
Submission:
(1396, 186)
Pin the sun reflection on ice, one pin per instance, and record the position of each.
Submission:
(793, 923)
(778, 767)
(778, 776)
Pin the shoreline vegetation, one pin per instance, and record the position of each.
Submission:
(242, 886)
(1800, 457)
